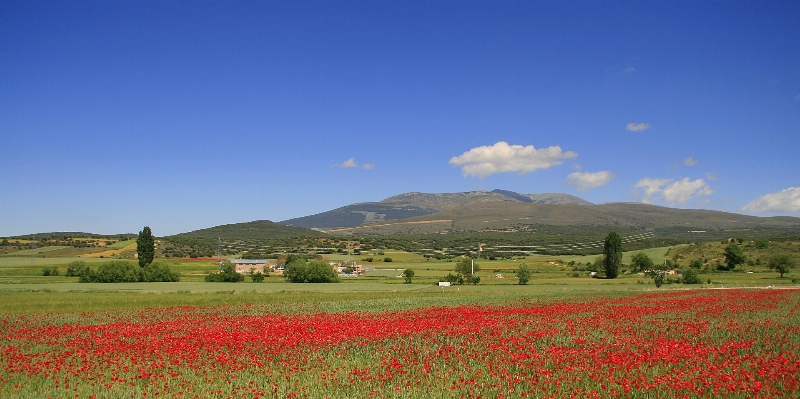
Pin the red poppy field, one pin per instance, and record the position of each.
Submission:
(705, 343)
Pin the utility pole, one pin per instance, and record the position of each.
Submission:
(33, 247)
(219, 252)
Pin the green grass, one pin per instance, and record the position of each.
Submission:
(27, 252)
(6, 261)
(76, 298)
(23, 289)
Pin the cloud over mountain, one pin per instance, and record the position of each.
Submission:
(584, 181)
(787, 200)
(501, 157)
(680, 192)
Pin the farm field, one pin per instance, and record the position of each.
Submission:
(414, 342)
(564, 334)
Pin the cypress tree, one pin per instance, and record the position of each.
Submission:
(612, 251)
(145, 247)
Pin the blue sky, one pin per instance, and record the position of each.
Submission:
(186, 115)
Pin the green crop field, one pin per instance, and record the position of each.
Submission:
(27, 252)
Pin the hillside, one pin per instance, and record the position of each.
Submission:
(259, 229)
(516, 216)
(411, 205)
(357, 214)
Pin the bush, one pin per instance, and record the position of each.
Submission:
(49, 271)
(77, 268)
(257, 277)
(690, 277)
(454, 279)
(125, 272)
(113, 272)
(299, 271)
(387, 259)
(227, 275)
(159, 272)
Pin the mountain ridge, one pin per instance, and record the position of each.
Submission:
(417, 204)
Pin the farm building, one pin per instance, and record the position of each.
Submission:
(247, 266)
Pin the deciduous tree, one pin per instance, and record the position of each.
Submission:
(408, 274)
(467, 267)
(734, 256)
(781, 263)
(641, 262)
(523, 274)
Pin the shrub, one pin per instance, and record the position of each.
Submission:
(690, 277)
(226, 275)
(387, 259)
(125, 272)
(77, 268)
(159, 272)
(454, 279)
(257, 277)
(49, 271)
(113, 272)
(299, 271)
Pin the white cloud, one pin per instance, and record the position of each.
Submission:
(681, 191)
(501, 157)
(586, 180)
(690, 161)
(651, 187)
(351, 163)
(637, 127)
(784, 201)
(711, 176)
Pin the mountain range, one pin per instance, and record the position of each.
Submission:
(414, 205)
(502, 211)
(508, 211)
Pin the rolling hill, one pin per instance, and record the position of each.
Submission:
(259, 229)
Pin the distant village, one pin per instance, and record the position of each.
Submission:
(345, 269)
